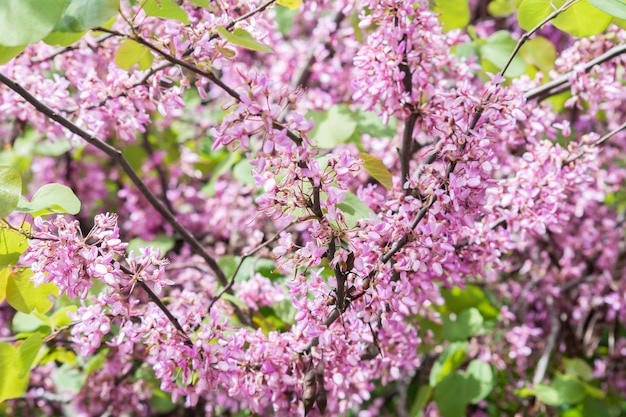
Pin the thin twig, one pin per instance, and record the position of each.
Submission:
(555, 328)
(231, 282)
(563, 82)
(598, 142)
(119, 158)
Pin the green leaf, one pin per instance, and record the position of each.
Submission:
(497, 50)
(60, 317)
(7, 53)
(10, 190)
(592, 407)
(615, 8)
(243, 38)
(457, 300)
(162, 242)
(333, 126)
(242, 172)
(582, 19)
(466, 324)
(4, 279)
(481, 375)
(51, 198)
(564, 390)
(63, 38)
(23, 296)
(453, 14)
(450, 359)
(539, 52)
(12, 245)
(82, 15)
(290, 4)
(578, 368)
(354, 209)
(96, 361)
(421, 400)
(377, 169)
(166, 9)
(11, 384)
(371, 124)
(27, 21)
(533, 12)
(26, 354)
(200, 3)
(453, 393)
(501, 8)
(130, 53)
(29, 323)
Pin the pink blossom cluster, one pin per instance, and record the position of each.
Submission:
(488, 188)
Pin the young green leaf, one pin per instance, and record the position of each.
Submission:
(290, 4)
(10, 190)
(23, 296)
(377, 169)
(333, 126)
(130, 53)
(453, 14)
(51, 198)
(82, 15)
(582, 19)
(481, 375)
(27, 21)
(12, 245)
(166, 9)
(533, 12)
(354, 209)
(243, 38)
(615, 8)
(11, 384)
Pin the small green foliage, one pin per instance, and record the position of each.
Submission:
(333, 126)
(50, 199)
(453, 14)
(165, 9)
(465, 325)
(354, 209)
(453, 356)
(533, 12)
(24, 296)
(290, 4)
(616, 8)
(501, 8)
(582, 19)
(9, 52)
(38, 16)
(540, 53)
(131, 53)
(497, 50)
(15, 364)
(82, 15)
(243, 38)
(12, 245)
(162, 242)
(377, 169)
(10, 189)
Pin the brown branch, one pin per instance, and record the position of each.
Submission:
(117, 156)
(563, 82)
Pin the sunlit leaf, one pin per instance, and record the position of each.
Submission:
(10, 190)
(243, 38)
(27, 21)
(453, 14)
(130, 53)
(290, 4)
(377, 169)
(166, 9)
(23, 296)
